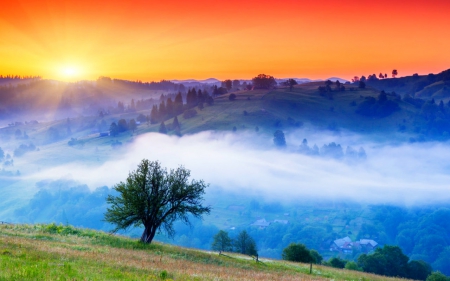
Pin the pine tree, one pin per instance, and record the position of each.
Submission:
(162, 111)
(169, 108)
(175, 124)
(162, 128)
(154, 115)
(178, 104)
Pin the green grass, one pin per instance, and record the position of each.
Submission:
(52, 252)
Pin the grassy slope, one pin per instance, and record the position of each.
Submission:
(47, 252)
(264, 108)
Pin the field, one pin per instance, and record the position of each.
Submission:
(51, 252)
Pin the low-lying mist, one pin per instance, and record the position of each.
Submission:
(249, 163)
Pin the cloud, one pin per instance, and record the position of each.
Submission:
(247, 163)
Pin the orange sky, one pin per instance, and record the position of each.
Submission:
(154, 40)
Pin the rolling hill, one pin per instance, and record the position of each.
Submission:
(51, 252)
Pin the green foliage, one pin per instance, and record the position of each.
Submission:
(351, 265)
(222, 242)
(29, 252)
(298, 253)
(163, 275)
(437, 276)
(245, 244)
(155, 198)
(418, 270)
(390, 261)
(336, 262)
(316, 257)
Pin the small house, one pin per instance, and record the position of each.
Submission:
(262, 223)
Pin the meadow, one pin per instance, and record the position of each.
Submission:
(56, 252)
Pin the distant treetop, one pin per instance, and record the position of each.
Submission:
(263, 81)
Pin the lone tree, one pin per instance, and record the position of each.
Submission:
(245, 244)
(291, 83)
(222, 242)
(263, 81)
(298, 253)
(154, 198)
(394, 73)
(278, 138)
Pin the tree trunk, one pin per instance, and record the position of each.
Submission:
(148, 234)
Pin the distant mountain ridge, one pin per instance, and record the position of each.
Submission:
(279, 80)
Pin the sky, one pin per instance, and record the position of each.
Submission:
(199, 39)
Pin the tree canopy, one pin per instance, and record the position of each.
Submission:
(299, 253)
(154, 198)
(245, 244)
(222, 242)
(263, 81)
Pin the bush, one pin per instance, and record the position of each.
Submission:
(437, 276)
(298, 253)
(336, 262)
(351, 265)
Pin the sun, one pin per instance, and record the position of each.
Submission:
(69, 72)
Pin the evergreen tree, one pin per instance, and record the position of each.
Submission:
(178, 104)
(113, 129)
(200, 97)
(176, 124)
(162, 128)
(154, 115)
(170, 108)
(162, 111)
